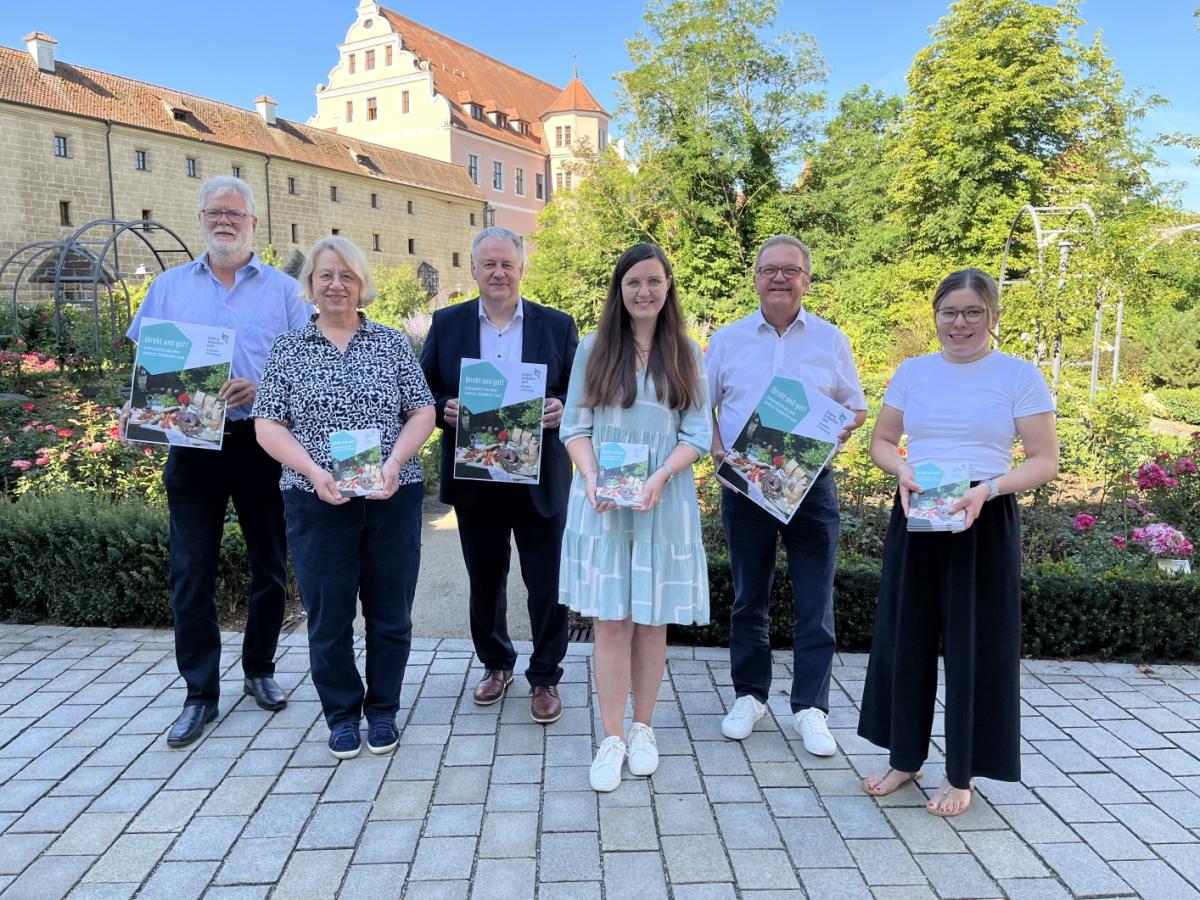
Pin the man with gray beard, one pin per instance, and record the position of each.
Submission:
(227, 287)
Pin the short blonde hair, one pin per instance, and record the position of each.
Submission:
(355, 260)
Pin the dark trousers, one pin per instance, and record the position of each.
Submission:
(199, 486)
(810, 541)
(363, 550)
(962, 591)
(484, 529)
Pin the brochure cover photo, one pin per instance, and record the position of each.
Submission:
(624, 469)
(789, 439)
(499, 431)
(357, 461)
(943, 484)
(177, 372)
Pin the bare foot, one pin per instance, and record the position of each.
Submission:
(885, 781)
(949, 801)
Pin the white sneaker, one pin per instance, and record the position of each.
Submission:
(606, 767)
(739, 721)
(810, 724)
(643, 751)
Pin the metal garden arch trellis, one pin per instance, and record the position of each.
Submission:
(84, 264)
(1066, 228)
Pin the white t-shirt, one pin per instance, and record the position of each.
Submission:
(965, 412)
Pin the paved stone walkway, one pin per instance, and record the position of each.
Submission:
(483, 803)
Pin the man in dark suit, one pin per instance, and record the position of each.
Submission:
(502, 325)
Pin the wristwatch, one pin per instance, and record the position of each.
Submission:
(993, 489)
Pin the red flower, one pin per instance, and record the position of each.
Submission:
(777, 460)
(148, 451)
(42, 461)
(65, 432)
(903, 452)
(27, 406)
(502, 436)
(1118, 541)
(114, 432)
(97, 447)
(184, 399)
(1083, 522)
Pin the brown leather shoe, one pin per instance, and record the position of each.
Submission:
(492, 686)
(546, 706)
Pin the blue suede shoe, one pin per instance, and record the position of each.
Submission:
(382, 736)
(344, 740)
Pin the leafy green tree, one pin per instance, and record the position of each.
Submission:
(1175, 357)
(400, 293)
(712, 110)
(1002, 106)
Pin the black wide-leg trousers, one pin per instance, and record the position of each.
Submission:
(960, 594)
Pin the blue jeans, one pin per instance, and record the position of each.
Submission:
(810, 541)
(368, 550)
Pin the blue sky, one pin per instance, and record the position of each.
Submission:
(234, 50)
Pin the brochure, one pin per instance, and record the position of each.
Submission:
(624, 469)
(177, 372)
(357, 461)
(789, 439)
(499, 432)
(944, 483)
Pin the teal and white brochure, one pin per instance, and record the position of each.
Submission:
(177, 372)
(499, 431)
(943, 483)
(789, 439)
(357, 461)
(623, 471)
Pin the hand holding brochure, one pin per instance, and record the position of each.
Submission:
(177, 373)
(357, 461)
(499, 432)
(624, 469)
(789, 439)
(943, 484)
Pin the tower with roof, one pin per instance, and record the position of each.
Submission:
(404, 85)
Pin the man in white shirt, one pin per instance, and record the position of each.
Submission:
(781, 338)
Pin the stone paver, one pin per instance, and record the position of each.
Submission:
(482, 803)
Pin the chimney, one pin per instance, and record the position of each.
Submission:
(266, 108)
(41, 48)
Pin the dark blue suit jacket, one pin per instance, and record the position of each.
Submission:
(549, 337)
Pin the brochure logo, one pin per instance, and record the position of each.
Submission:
(928, 475)
(784, 406)
(342, 445)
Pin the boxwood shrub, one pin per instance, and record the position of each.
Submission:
(1182, 404)
(1128, 615)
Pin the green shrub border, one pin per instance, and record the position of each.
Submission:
(1128, 616)
(81, 560)
(1182, 404)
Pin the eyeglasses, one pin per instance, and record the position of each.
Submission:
(233, 215)
(327, 278)
(973, 315)
(788, 272)
(654, 283)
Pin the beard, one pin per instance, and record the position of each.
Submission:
(229, 252)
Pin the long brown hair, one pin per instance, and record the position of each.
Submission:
(611, 378)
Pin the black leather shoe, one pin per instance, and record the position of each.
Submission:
(190, 724)
(266, 693)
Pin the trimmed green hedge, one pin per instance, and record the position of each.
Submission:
(1120, 615)
(77, 559)
(1182, 404)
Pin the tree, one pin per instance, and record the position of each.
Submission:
(1001, 106)
(711, 110)
(400, 292)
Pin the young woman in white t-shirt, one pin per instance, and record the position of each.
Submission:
(960, 591)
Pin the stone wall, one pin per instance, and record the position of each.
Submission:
(34, 181)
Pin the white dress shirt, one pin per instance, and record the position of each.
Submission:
(745, 355)
(504, 343)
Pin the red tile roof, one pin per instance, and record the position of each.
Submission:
(464, 75)
(101, 95)
(575, 98)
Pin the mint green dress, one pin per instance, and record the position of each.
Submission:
(623, 563)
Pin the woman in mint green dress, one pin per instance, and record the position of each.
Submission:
(639, 380)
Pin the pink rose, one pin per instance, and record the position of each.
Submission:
(27, 407)
(65, 432)
(22, 465)
(42, 461)
(1118, 541)
(97, 447)
(1083, 522)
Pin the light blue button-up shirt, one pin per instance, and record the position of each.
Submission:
(262, 304)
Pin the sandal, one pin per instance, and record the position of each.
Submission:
(942, 794)
(875, 792)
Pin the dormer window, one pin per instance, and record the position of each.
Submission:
(501, 119)
(523, 128)
(477, 111)
(363, 160)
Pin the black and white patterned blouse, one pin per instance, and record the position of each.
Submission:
(315, 389)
